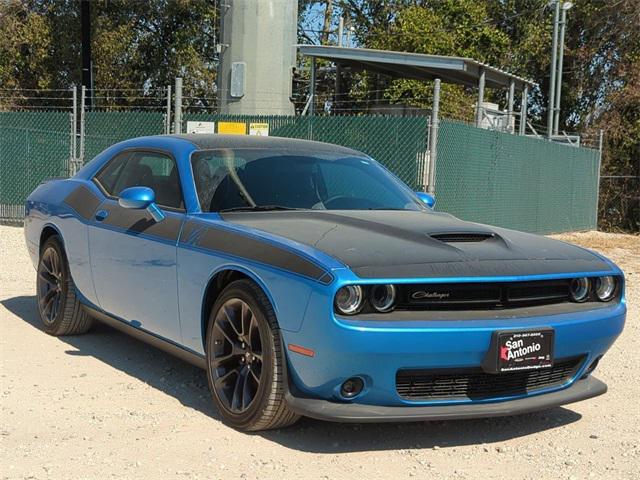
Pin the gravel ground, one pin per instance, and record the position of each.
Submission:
(106, 406)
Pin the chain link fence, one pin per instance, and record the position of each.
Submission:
(34, 146)
(619, 203)
(396, 142)
(399, 143)
(481, 175)
(104, 128)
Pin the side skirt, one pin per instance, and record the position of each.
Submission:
(148, 337)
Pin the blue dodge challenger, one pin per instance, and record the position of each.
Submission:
(308, 280)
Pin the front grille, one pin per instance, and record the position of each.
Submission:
(452, 296)
(477, 385)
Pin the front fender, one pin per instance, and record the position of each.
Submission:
(288, 293)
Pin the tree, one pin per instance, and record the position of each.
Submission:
(136, 45)
(451, 27)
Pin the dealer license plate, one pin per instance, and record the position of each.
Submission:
(527, 350)
(521, 350)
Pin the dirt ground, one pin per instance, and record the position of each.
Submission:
(104, 405)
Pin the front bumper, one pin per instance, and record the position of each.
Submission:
(583, 389)
(375, 351)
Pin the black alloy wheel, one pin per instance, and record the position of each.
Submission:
(51, 285)
(245, 360)
(58, 305)
(236, 355)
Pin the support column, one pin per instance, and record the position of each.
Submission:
(556, 110)
(83, 95)
(523, 109)
(479, 109)
(552, 81)
(433, 137)
(74, 129)
(512, 90)
(337, 104)
(167, 127)
(600, 146)
(312, 88)
(177, 113)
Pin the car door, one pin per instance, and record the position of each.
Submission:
(133, 257)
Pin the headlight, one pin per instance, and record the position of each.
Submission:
(383, 297)
(605, 288)
(579, 289)
(349, 299)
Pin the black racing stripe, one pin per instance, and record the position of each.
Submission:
(139, 221)
(83, 201)
(245, 247)
(188, 230)
(482, 268)
(326, 279)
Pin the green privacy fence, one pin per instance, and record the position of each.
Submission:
(483, 176)
(103, 129)
(34, 146)
(396, 142)
(516, 182)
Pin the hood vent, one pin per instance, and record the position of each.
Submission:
(460, 237)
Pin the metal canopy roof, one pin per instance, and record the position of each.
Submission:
(459, 70)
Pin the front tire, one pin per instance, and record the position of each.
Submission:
(245, 362)
(60, 310)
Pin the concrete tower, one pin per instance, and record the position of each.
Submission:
(258, 39)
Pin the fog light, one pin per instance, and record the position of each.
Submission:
(579, 289)
(351, 387)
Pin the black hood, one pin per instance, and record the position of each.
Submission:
(395, 244)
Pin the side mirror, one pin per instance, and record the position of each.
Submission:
(139, 198)
(427, 198)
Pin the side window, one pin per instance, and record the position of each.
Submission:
(145, 169)
(108, 177)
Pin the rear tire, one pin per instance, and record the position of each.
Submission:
(60, 310)
(245, 362)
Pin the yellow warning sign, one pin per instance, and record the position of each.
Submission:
(232, 128)
(260, 129)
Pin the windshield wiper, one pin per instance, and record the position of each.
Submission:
(258, 208)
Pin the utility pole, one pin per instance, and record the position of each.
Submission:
(563, 22)
(337, 104)
(87, 63)
(258, 53)
(552, 81)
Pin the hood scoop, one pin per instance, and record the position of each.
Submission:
(462, 237)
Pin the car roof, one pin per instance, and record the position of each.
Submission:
(215, 141)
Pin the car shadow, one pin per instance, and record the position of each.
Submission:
(177, 378)
(188, 384)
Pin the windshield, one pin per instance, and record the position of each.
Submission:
(261, 179)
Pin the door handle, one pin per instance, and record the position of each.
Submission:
(101, 215)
